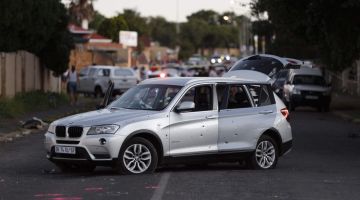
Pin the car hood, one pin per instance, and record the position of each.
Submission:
(104, 116)
(315, 88)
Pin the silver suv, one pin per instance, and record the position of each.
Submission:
(95, 79)
(170, 120)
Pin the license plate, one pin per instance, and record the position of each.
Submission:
(311, 97)
(65, 150)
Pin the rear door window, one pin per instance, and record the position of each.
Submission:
(237, 97)
(123, 72)
(262, 95)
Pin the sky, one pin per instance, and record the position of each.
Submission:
(170, 8)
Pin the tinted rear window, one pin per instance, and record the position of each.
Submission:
(308, 80)
(266, 65)
(123, 72)
(261, 94)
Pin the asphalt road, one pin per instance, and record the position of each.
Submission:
(324, 164)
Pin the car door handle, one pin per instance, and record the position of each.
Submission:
(211, 117)
(266, 112)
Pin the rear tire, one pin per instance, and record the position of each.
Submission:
(137, 156)
(265, 155)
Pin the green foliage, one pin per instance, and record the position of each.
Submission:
(96, 22)
(329, 27)
(39, 27)
(111, 27)
(29, 102)
(162, 31)
(205, 29)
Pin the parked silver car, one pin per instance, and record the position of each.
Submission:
(95, 79)
(167, 120)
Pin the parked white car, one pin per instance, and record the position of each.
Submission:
(307, 87)
(168, 120)
(95, 79)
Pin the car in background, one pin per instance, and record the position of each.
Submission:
(95, 79)
(306, 87)
(162, 74)
(197, 60)
(216, 59)
(184, 120)
(173, 68)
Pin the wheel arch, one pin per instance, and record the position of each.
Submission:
(274, 134)
(151, 137)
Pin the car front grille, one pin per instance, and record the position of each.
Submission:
(60, 131)
(73, 131)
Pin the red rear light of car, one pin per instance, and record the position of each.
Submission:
(285, 113)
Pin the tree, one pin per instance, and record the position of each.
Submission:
(111, 27)
(80, 10)
(208, 16)
(135, 22)
(162, 31)
(330, 27)
(39, 27)
(96, 21)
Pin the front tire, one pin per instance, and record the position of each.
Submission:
(265, 155)
(138, 156)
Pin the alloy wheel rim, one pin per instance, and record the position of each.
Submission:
(137, 158)
(265, 154)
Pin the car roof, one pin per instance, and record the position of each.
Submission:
(108, 67)
(183, 81)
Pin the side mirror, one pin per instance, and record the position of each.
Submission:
(185, 106)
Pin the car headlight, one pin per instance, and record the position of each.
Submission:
(52, 128)
(103, 129)
(213, 60)
(296, 91)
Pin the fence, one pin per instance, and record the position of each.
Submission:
(21, 72)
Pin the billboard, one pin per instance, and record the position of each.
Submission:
(128, 38)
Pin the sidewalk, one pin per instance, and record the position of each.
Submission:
(10, 128)
(346, 107)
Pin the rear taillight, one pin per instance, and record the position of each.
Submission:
(285, 113)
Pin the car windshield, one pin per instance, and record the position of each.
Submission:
(268, 66)
(308, 80)
(147, 97)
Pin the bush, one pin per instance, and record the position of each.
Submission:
(30, 102)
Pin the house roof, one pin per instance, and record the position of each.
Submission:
(73, 28)
(95, 36)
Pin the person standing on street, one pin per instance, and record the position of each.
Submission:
(72, 83)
